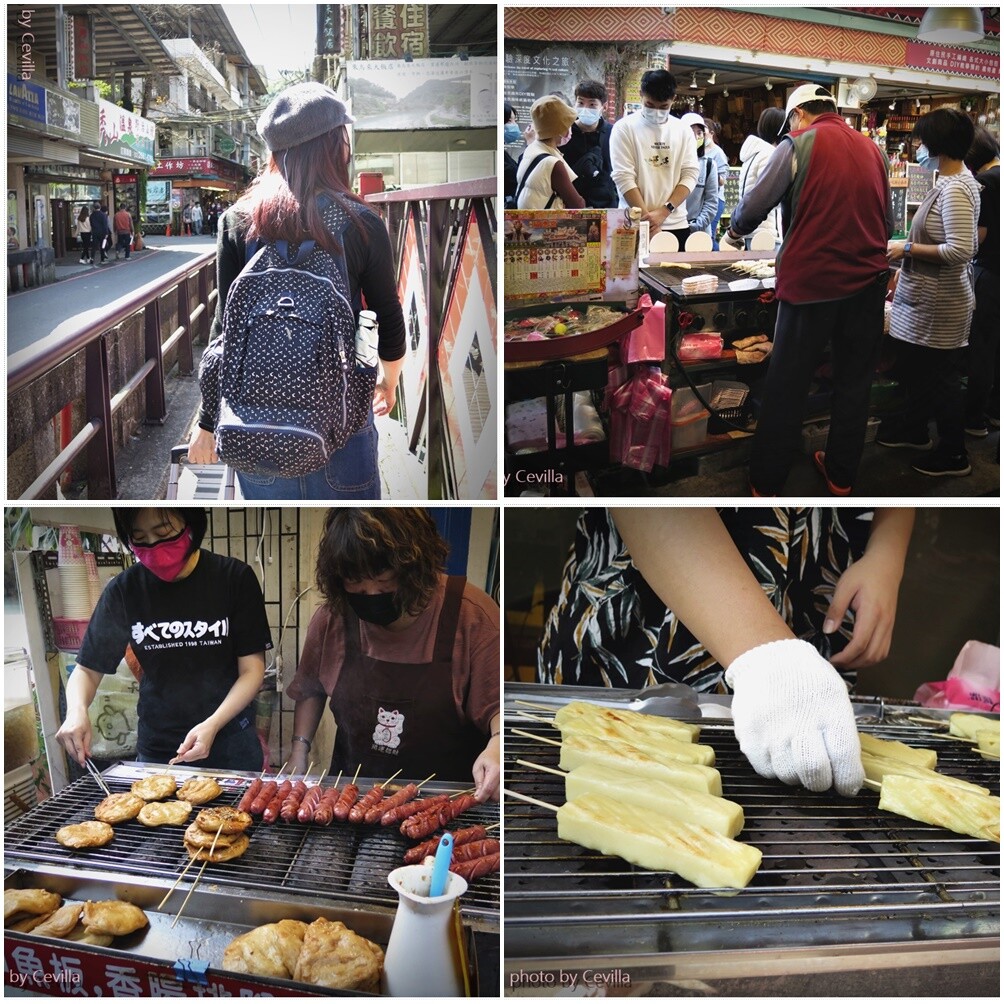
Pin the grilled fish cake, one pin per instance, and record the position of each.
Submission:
(196, 837)
(36, 901)
(60, 923)
(29, 923)
(112, 916)
(79, 933)
(199, 790)
(337, 958)
(221, 854)
(173, 813)
(155, 787)
(119, 808)
(223, 819)
(269, 950)
(93, 833)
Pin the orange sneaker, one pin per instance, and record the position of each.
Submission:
(819, 459)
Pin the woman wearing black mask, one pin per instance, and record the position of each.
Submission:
(197, 625)
(406, 656)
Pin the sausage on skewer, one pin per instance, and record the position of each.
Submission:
(291, 804)
(402, 812)
(309, 804)
(325, 810)
(477, 867)
(274, 807)
(263, 798)
(345, 802)
(357, 814)
(424, 825)
(475, 849)
(249, 796)
(419, 852)
(400, 797)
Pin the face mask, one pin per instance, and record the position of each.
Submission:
(925, 160)
(511, 133)
(655, 116)
(588, 116)
(379, 608)
(167, 557)
(564, 139)
(700, 150)
(698, 140)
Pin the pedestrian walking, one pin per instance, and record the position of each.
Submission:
(197, 218)
(101, 230)
(286, 400)
(84, 233)
(123, 233)
(186, 219)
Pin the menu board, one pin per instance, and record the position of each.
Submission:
(732, 190)
(899, 192)
(570, 254)
(919, 183)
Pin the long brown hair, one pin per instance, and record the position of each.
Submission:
(281, 203)
(365, 543)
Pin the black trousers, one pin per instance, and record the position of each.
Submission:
(852, 328)
(982, 395)
(932, 379)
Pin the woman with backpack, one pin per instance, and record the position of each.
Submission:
(543, 179)
(285, 400)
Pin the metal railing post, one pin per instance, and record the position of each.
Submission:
(156, 397)
(97, 405)
(204, 322)
(185, 355)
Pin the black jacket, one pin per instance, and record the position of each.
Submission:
(588, 155)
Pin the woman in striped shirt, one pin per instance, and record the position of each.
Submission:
(933, 301)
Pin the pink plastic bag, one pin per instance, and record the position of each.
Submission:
(700, 345)
(639, 420)
(973, 682)
(646, 343)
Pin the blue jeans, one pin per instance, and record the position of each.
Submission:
(714, 225)
(124, 244)
(350, 473)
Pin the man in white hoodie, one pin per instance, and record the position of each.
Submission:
(654, 158)
(755, 153)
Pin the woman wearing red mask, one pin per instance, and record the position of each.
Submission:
(406, 656)
(197, 625)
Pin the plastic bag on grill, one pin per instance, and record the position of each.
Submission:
(973, 682)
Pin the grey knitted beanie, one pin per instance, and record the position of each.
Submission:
(301, 113)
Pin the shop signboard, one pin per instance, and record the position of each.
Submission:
(950, 59)
(123, 134)
(423, 94)
(529, 75)
(396, 30)
(62, 115)
(197, 167)
(83, 47)
(25, 102)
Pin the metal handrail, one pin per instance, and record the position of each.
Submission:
(100, 403)
(473, 189)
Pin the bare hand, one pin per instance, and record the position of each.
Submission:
(74, 736)
(870, 587)
(487, 771)
(894, 251)
(655, 218)
(202, 448)
(384, 398)
(197, 744)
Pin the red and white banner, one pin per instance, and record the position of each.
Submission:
(949, 59)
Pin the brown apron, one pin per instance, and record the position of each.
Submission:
(402, 716)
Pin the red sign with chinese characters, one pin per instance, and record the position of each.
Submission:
(397, 30)
(950, 59)
(173, 167)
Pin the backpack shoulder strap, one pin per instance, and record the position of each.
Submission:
(526, 177)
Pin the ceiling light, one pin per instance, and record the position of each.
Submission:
(916, 102)
(693, 81)
(951, 24)
(892, 105)
(713, 77)
(768, 86)
(725, 91)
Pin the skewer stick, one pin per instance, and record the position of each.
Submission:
(167, 895)
(532, 801)
(391, 778)
(198, 878)
(874, 785)
(537, 718)
(339, 781)
(534, 704)
(426, 781)
(530, 735)
(927, 721)
(466, 791)
(538, 766)
(356, 776)
(492, 827)
(310, 767)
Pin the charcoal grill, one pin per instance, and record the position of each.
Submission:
(842, 886)
(342, 863)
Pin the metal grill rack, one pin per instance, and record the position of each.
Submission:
(342, 862)
(836, 871)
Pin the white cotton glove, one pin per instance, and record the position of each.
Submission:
(736, 243)
(793, 717)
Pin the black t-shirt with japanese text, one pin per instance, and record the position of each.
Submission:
(187, 636)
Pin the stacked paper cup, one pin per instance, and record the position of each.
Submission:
(93, 581)
(73, 575)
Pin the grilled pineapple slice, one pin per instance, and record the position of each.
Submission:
(634, 720)
(649, 840)
(927, 759)
(970, 726)
(668, 800)
(877, 767)
(619, 756)
(989, 745)
(647, 742)
(947, 805)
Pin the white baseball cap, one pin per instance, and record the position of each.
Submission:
(693, 119)
(802, 95)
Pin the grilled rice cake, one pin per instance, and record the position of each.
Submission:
(93, 833)
(60, 923)
(155, 787)
(221, 854)
(174, 813)
(199, 790)
(223, 819)
(23, 925)
(269, 950)
(119, 808)
(39, 902)
(81, 934)
(112, 916)
(196, 837)
(339, 959)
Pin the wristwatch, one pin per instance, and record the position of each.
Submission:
(907, 247)
(671, 207)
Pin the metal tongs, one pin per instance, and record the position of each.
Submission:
(96, 774)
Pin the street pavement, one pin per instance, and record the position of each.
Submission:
(79, 290)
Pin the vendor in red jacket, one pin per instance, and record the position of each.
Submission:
(406, 656)
(836, 207)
